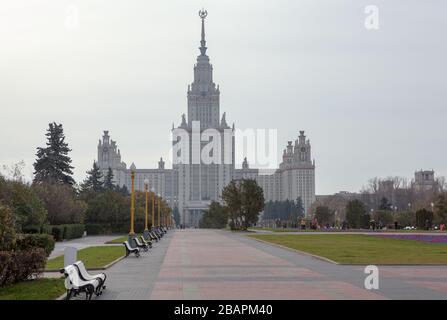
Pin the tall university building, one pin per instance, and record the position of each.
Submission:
(191, 185)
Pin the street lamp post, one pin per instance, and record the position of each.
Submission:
(158, 198)
(132, 210)
(146, 229)
(153, 208)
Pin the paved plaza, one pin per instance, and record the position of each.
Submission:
(211, 264)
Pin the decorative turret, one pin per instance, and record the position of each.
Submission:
(245, 164)
(161, 164)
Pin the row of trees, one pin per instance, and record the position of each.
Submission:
(242, 203)
(284, 210)
(359, 217)
(54, 198)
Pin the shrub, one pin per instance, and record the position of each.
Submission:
(67, 231)
(18, 266)
(31, 241)
(73, 231)
(57, 232)
(95, 228)
(31, 229)
(7, 231)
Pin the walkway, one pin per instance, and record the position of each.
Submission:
(208, 264)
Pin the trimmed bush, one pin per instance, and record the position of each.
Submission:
(31, 229)
(67, 231)
(57, 232)
(73, 231)
(95, 229)
(31, 241)
(18, 266)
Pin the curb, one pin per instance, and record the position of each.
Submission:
(297, 251)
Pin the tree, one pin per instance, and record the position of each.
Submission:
(108, 180)
(93, 182)
(324, 216)
(299, 208)
(252, 201)
(176, 214)
(384, 204)
(7, 229)
(53, 163)
(383, 217)
(216, 217)
(110, 209)
(356, 214)
(406, 218)
(61, 203)
(232, 198)
(27, 207)
(424, 219)
(441, 209)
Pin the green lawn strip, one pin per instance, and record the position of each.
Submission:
(93, 257)
(39, 289)
(339, 230)
(120, 239)
(282, 229)
(362, 249)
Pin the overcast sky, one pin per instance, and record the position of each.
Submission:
(372, 102)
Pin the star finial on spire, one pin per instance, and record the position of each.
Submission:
(203, 14)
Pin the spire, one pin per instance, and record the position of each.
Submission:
(203, 14)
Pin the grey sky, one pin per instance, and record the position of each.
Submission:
(373, 103)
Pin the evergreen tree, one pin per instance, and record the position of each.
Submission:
(299, 208)
(356, 214)
(176, 214)
(53, 163)
(108, 180)
(252, 201)
(93, 182)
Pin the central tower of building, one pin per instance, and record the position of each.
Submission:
(201, 183)
(203, 96)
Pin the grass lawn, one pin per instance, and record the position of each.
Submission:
(281, 229)
(39, 289)
(93, 257)
(120, 239)
(332, 231)
(362, 249)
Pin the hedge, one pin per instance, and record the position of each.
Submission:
(31, 241)
(95, 229)
(67, 231)
(18, 266)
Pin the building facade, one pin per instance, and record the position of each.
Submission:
(192, 184)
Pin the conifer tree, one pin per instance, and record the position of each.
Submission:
(93, 182)
(108, 180)
(53, 163)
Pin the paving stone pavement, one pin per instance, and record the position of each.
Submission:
(211, 264)
(133, 278)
